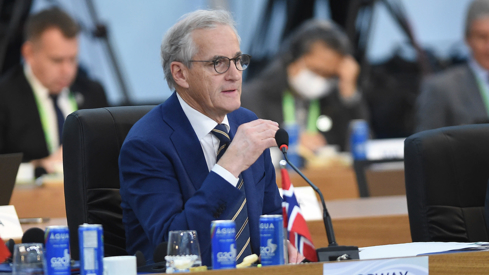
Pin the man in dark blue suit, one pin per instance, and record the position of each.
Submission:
(199, 157)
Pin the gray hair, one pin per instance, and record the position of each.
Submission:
(478, 9)
(178, 44)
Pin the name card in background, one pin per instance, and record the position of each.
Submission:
(9, 223)
(385, 148)
(306, 197)
(399, 266)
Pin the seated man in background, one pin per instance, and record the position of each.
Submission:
(460, 95)
(312, 83)
(36, 97)
(198, 156)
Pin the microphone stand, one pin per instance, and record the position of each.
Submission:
(333, 252)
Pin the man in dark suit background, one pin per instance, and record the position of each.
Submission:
(311, 83)
(199, 157)
(460, 95)
(36, 97)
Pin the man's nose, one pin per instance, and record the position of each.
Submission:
(233, 73)
(68, 67)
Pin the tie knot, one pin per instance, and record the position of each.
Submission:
(54, 97)
(221, 132)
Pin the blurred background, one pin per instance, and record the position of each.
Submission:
(396, 42)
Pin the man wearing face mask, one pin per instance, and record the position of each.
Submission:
(311, 83)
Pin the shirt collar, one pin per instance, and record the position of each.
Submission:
(481, 73)
(201, 123)
(37, 86)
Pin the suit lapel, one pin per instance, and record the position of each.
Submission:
(185, 141)
(474, 97)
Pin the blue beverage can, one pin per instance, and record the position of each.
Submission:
(272, 246)
(91, 242)
(57, 245)
(223, 234)
(358, 139)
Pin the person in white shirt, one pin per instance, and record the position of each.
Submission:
(35, 97)
(198, 156)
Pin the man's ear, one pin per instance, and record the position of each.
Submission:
(27, 51)
(180, 74)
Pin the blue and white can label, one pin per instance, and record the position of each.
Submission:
(91, 241)
(223, 234)
(272, 250)
(358, 139)
(57, 257)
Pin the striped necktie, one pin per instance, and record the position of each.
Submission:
(240, 216)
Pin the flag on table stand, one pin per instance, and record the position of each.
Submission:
(298, 233)
(4, 252)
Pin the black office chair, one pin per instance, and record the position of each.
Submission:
(92, 139)
(446, 172)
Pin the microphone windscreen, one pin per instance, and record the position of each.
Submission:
(33, 235)
(140, 260)
(10, 245)
(160, 252)
(282, 137)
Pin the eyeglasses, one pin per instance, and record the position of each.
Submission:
(222, 63)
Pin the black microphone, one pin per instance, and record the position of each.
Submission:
(333, 252)
(33, 235)
(159, 265)
(140, 260)
(10, 245)
(160, 252)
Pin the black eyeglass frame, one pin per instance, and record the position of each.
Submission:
(229, 62)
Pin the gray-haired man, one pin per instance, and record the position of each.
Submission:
(460, 95)
(199, 157)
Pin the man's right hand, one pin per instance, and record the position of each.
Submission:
(248, 144)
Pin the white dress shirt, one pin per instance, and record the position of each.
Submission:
(203, 126)
(481, 74)
(41, 94)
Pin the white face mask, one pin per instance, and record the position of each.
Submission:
(310, 85)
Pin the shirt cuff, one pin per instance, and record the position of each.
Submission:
(225, 174)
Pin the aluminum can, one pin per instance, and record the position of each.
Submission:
(358, 139)
(57, 245)
(223, 234)
(272, 247)
(91, 242)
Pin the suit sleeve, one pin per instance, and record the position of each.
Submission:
(272, 203)
(150, 185)
(430, 107)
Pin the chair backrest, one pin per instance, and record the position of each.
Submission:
(92, 139)
(447, 171)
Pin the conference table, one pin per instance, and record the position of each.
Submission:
(47, 200)
(442, 264)
(357, 221)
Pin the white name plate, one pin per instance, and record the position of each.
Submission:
(398, 266)
(9, 223)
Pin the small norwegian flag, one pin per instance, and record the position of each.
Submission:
(298, 233)
(4, 252)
